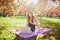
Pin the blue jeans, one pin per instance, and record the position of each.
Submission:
(32, 27)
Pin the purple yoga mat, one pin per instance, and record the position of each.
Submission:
(38, 30)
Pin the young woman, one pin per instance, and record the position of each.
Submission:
(31, 21)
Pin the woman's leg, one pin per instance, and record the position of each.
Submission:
(32, 29)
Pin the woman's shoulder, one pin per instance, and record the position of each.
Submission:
(35, 17)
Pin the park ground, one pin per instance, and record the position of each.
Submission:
(7, 23)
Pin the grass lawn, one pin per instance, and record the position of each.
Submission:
(7, 23)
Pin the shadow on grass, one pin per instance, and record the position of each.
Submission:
(58, 32)
(20, 38)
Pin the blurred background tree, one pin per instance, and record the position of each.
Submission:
(39, 7)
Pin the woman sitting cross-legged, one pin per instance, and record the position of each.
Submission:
(31, 21)
(32, 28)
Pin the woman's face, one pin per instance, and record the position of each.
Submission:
(30, 15)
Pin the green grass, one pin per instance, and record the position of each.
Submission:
(7, 23)
(53, 23)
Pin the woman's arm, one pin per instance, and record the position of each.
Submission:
(36, 22)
